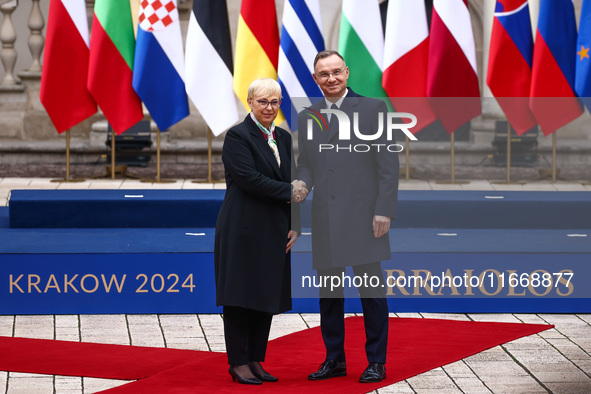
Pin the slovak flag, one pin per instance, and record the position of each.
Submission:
(159, 65)
(510, 62)
(553, 100)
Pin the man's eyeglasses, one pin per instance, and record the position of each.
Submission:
(335, 74)
(265, 103)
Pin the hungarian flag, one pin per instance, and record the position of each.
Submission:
(406, 51)
(553, 100)
(159, 64)
(209, 83)
(112, 47)
(65, 65)
(452, 79)
(510, 62)
(361, 43)
(257, 46)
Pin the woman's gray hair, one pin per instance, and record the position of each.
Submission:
(264, 87)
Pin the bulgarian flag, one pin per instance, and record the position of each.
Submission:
(361, 43)
(257, 47)
(65, 65)
(112, 46)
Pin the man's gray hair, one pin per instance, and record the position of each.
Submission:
(326, 53)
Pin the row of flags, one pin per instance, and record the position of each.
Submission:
(432, 67)
(135, 54)
(544, 82)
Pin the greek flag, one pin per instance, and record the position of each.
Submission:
(301, 40)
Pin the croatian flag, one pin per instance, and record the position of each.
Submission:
(583, 68)
(159, 64)
(553, 100)
(301, 39)
(510, 62)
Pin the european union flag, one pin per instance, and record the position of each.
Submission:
(583, 67)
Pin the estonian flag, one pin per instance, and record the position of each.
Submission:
(208, 61)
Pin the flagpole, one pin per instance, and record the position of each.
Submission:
(554, 156)
(453, 158)
(158, 156)
(112, 154)
(508, 152)
(407, 158)
(209, 160)
(67, 179)
(209, 156)
(453, 163)
(158, 162)
(68, 155)
(554, 171)
(508, 182)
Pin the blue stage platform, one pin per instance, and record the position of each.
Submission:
(199, 208)
(150, 251)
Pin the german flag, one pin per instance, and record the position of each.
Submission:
(257, 46)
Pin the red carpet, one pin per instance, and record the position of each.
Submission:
(415, 346)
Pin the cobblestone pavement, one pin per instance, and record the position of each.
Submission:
(553, 361)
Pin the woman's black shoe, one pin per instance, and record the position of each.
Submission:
(240, 379)
(265, 376)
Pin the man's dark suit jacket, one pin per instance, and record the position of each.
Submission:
(349, 187)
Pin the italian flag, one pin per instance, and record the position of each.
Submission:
(112, 46)
(405, 60)
(257, 47)
(361, 42)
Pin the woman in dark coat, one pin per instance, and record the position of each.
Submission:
(254, 232)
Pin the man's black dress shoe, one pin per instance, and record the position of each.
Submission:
(329, 369)
(375, 372)
(265, 376)
(240, 379)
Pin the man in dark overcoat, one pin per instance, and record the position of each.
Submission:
(355, 183)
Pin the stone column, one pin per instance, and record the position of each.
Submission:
(8, 37)
(36, 40)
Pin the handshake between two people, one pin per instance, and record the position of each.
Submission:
(380, 224)
(299, 191)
